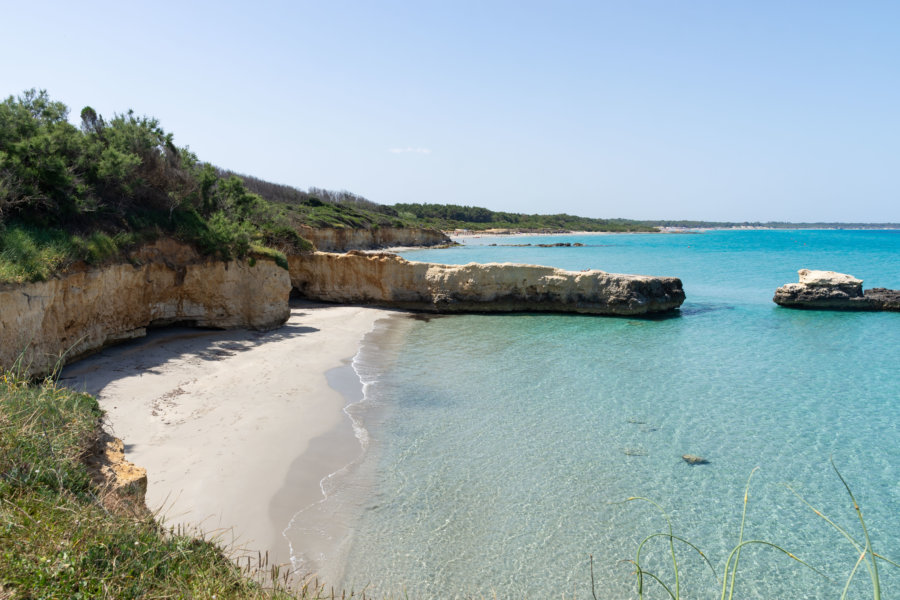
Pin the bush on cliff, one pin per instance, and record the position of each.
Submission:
(69, 194)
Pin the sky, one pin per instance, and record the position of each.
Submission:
(671, 109)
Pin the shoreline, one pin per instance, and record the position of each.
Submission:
(220, 418)
(320, 530)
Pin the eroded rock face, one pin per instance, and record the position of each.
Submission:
(115, 475)
(828, 290)
(331, 239)
(389, 280)
(885, 298)
(168, 282)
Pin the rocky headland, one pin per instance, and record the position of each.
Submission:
(388, 280)
(828, 290)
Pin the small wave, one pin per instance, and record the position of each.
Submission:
(330, 528)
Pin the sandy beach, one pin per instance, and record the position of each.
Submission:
(221, 419)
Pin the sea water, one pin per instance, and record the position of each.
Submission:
(501, 448)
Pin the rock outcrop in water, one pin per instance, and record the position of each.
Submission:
(166, 282)
(389, 280)
(828, 290)
(332, 239)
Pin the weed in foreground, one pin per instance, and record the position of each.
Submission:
(672, 587)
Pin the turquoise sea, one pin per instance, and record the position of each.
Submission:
(500, 448)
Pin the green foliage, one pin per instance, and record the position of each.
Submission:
(226, 238)
(99, 247)
(69, 194)
(33, 254)
(277, 256)
(285, 238)
(454, 216)
(41, 440)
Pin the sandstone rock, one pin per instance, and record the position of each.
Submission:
(828, 290)
(111, 471)
(333, 239)
(829, 279)
(389, 280)
(166, 282)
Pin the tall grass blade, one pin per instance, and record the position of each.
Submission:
(872, 563)
(741, 534)
(671, 547)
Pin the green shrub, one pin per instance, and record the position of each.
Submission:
(225, 237)
(279, 257)
(100, 247)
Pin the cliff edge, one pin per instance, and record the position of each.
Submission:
(389, 280)
(164, 283)
(828, 290)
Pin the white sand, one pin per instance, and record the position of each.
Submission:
(218, 417)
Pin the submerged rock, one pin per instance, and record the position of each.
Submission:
(694, 460)
(828, 290)
(636, 451)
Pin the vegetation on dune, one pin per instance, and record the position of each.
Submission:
(318, 207)
(452, 216)
(89, 193)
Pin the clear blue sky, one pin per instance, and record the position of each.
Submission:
(757, 110)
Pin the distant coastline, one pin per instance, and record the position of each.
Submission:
(475, 233)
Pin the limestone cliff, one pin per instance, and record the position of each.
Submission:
(332, 239)
(166, 282)
(388, 280)
(827, 290)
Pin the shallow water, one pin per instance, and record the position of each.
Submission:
(501, 447)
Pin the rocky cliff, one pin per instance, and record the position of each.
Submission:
(828, 290)
(388, 280)
(164, 283)
(331, 239)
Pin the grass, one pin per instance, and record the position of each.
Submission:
(31, 254)
(36, 254)
(672, 585)
(61, 537)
